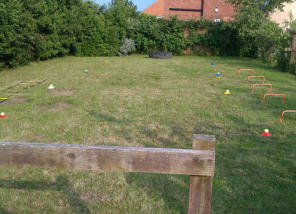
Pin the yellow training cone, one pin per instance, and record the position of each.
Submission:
(227, 92)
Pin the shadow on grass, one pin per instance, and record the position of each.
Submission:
(253, 174)
(104, 117)
(272, 104)
(176, 138)
(173, 189)
(61, 184)
(255, 179)
(285, 90)
(2, 211)
(245, 63)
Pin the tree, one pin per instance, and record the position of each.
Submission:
(250, 14)
(120, 18)
(283, 58)
(15, 29)
(268, 37)
(256, 29)
(265, 6)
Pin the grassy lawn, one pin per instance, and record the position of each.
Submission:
(137, 101)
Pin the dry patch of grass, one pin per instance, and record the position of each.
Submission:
(14, 100)
(62, 92)
(58, 107)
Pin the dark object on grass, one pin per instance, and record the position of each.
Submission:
(160, 54)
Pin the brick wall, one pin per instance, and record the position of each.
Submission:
(226, 10)
(161, 8)
(156, 8)
(187, 4)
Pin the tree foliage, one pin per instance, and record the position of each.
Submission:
(42, 29)
(159, 34)
(265, 6)
(282, 56)
(15, 34)
(255, 26)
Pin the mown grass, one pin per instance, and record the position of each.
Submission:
(137, 101)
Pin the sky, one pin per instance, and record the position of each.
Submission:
(141, 4)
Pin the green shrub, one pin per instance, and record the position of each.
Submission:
(42, 29)
(222, 39)
(197, 37)
(128, 46)
(159, 34)
(15, 33)
(283, 62)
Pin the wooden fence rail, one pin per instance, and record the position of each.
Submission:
(199, 163)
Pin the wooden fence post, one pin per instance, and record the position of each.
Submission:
(200, 192)
(293, 49)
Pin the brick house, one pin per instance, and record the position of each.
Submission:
(215, 10)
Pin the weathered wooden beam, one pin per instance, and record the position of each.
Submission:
(108, 158)
(290, 50)
(200, 192)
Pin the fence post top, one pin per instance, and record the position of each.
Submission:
(203, 142)
(204, 137)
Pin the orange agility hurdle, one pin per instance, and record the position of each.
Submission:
(245, 69)
(267, 84)
(286, 111)
(252, 76)
(271, 94)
